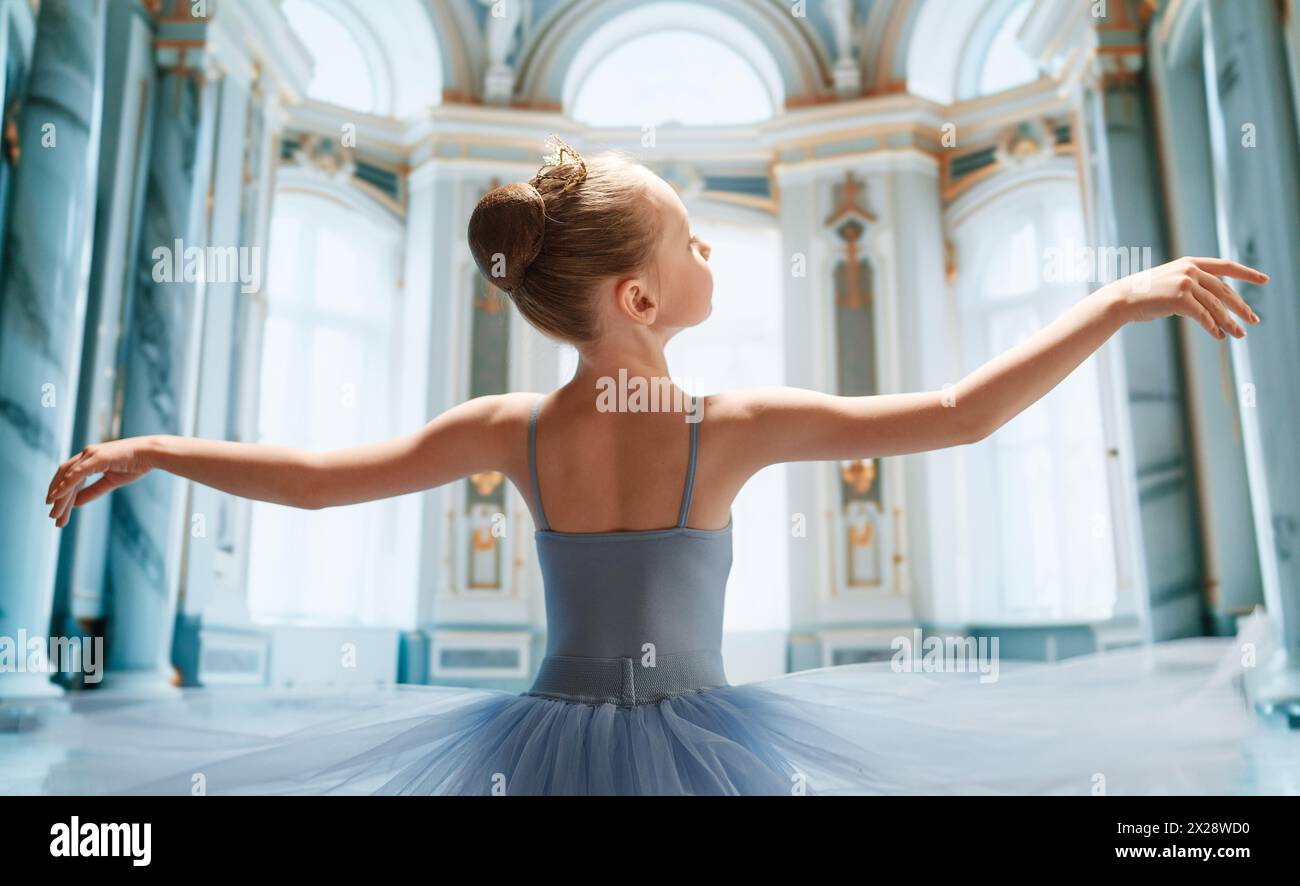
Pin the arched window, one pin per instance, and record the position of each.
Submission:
(678, 77)
(377, 58)
(706, 69)
(1040, 543)
(342, 74)
(1005, 64)
(741, 345)
(963, 50)
(328, 382)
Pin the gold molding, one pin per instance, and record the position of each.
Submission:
(920, 133)
(763, 204)
(801, 102)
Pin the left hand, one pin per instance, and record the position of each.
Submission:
(1190, 287)
(120, 461)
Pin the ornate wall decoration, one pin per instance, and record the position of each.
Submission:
(485, 493)
(861, 503)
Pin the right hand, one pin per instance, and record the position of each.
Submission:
(120, 461)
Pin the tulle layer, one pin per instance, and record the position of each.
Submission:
(728, 740)
(1168, 719)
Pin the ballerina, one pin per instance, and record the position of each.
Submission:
(632, 509)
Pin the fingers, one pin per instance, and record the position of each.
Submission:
(74, 475)
(1224, 268)
(1194, 307)
(62, 473)
(65, 510)
(66, 490)
(62, 506)
(1222, 319)
(102, 486)
(61, 513)
(1227, 295)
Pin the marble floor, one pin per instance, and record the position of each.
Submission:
(51, 746)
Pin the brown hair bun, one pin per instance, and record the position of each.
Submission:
(550, 242)
(506, 232)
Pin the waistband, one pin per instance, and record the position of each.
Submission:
(626, 681)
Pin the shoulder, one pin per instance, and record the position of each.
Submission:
(480, 434)
(490, 409)
(749, 424)
(492, 424)
(763, 426)
(751, 408)
(506, 417)
(495, 410)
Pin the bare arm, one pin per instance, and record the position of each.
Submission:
(468, 438)
(790, 424)
(459, 442)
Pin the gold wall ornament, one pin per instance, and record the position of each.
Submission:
(1023, 146)
(486, 482)
(329, 158)
(861, 537)
(481, 539)
(1027, 141)
(848, 201)
(852, 295)
(859, 474)
(863, 550)
(850, 218)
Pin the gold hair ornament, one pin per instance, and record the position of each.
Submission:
(562, 163)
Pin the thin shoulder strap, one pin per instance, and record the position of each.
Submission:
(689, 491)
(532, 464)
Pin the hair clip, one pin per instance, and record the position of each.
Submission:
(573, 170)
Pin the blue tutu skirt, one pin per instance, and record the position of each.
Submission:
(1165, 719)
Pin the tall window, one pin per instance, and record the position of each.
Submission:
(327, 383)
(1041, 546)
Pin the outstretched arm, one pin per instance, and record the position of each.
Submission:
(791, 424)
(459, 442)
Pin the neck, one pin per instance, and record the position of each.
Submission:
(642, 357)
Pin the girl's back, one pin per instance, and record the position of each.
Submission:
(614, 471)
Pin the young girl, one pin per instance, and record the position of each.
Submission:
(633, 517)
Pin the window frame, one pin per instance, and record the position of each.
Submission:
(974, 224)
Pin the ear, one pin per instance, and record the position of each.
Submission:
(635, 301)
